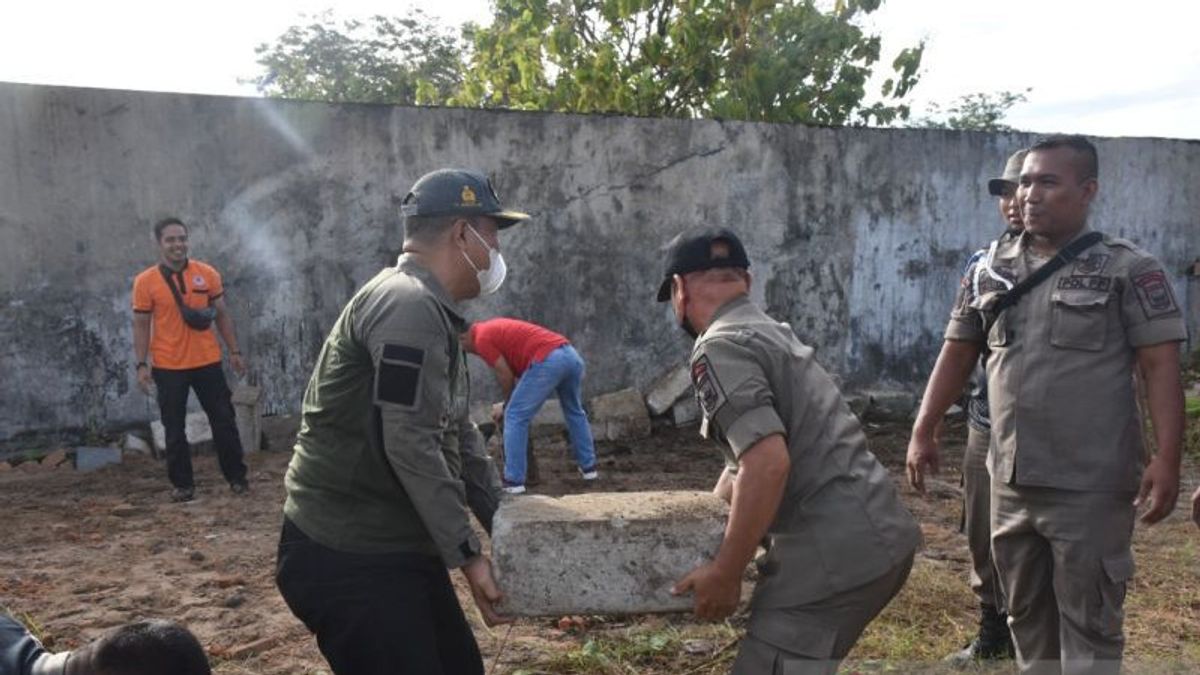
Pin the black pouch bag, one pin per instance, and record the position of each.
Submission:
(197, 319)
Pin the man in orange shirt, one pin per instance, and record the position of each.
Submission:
(175, 304)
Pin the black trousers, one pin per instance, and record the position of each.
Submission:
(376, 614)
(214, 396)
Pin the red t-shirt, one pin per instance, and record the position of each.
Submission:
(520, 343)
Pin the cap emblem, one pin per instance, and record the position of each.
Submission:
(468, 198)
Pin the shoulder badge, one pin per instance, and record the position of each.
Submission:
(709, 393)
(1154, 293)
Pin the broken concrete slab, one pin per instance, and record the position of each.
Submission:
(245, 399)
(668, 389)
(91, 459)
(134, 444)
(620, 415)
(195, 425)
(602, 553)
(53, 460)
(890, 405)
(685, 412)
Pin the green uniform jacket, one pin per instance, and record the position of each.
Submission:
(379, 462)
(841, 523)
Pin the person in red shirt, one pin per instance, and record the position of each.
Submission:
(532, 363)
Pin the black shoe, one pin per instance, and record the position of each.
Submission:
(994, 641)
(240, 488)
(179, 495)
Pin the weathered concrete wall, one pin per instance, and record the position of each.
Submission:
(856, 235)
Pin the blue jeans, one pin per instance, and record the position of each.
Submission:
(560, 372)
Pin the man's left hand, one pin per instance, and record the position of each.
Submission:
(1161, 484)
(716, 591)
(238, 364)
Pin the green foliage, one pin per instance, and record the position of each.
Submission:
(980, 111)
(407, 61)
(764, 60)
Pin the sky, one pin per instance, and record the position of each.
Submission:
(1099, 68)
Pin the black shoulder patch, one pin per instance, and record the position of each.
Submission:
(398, 379)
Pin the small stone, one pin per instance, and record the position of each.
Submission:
(234, 601)
(136, 445)
(5, 466)
(128, 510)
(196, 556)
(251, 648)
(54, 459)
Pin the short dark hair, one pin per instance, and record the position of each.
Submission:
(427, 228)
(164, 224)
(149, 648)
(1088, 164)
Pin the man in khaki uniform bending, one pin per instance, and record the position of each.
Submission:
(797, 470)
(1066, 455)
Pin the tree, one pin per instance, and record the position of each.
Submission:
(408, 60)
(980, 111)
(764, 60)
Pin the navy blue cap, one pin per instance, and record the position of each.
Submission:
(457, 192)
(692, 251)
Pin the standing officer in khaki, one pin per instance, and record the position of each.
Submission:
(993, 640)
(1066, 457)
(376, 505)
(797, 470)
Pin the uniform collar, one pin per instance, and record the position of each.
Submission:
(1016, 245)
(729, 310)
(407, 264)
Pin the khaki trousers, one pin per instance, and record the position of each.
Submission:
(1063, 559)
(977, 517)
(813, 639)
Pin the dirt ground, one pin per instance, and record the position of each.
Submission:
(81, 553)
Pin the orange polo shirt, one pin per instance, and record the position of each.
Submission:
(173, 344)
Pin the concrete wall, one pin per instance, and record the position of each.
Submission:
(856, 235)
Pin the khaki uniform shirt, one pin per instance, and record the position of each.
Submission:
(1060, 374)
(378, 464)
(841, 523)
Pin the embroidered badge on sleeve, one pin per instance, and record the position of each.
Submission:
(1155, 295)
(709, 393)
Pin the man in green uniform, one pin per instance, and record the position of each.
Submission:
(1066, 455)
(797, 471)
(993, 640)
(376, 505)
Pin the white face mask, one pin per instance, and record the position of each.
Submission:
(491, 278)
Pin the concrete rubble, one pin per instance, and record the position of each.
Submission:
(668, 389)
(620, 415)
(602, 553)
(195, 426)
(90, 459)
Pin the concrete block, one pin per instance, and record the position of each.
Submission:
(195, 426)
(52, 461)
(246, 410)
(668, 389)
(90, 459)
(890, 404)
(620, 415)
(134, 444)
(602, 553)
(685, 412)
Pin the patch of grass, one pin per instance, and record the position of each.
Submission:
(686, 649)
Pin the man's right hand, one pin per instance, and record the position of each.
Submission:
(144, 379)
(922, 457)
(478, 572)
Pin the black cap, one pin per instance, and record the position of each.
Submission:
(692, 251)
(455, 192)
